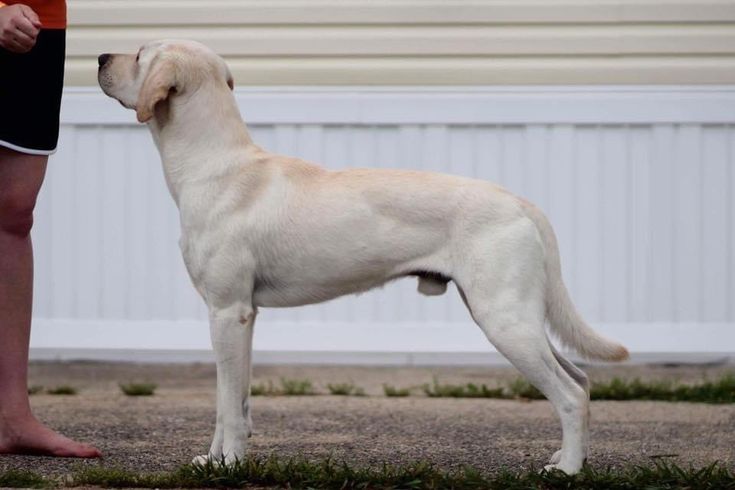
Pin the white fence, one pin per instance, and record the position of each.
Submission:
(638, 183)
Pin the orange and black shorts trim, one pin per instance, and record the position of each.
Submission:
(30, 94)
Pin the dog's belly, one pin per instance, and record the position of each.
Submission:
(299, 294)
(329, 263)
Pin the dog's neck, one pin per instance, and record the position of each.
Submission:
(190, 128)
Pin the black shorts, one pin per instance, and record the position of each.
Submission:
(30, 94)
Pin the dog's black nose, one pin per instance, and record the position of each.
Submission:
(102, 59)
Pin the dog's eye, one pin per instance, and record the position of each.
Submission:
(137, 58)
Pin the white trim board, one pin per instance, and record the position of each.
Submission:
(264, 358)
(449, 105)
(336, 337)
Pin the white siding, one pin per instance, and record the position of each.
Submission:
(425, 42)
(639, 185)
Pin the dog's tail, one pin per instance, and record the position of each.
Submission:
(565, 320)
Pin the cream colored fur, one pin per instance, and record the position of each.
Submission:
(264, 230)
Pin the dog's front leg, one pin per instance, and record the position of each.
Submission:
(231, 330)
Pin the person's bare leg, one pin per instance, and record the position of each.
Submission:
(21, 176)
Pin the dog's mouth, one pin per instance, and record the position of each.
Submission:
(105, 84)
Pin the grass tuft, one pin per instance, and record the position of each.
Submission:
(263, 389)
(22, 479)
(289, 387)
(721, 390)
(139, 389)
(345, 389)
(520, 388)
(62, 390)
(469, 390)
(393, 391)
(296, 387)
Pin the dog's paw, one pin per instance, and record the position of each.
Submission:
(202, 460)
(556, 457)
(206, 459)
(562, 468)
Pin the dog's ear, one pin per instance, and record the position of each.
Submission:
(158, 84)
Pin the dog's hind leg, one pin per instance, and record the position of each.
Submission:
(577, 375)
(521, 338)
(505, 295)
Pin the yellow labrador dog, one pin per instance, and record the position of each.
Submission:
(264, 230)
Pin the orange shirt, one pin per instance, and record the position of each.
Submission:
(51, 12)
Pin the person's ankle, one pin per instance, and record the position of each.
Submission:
(14, 422)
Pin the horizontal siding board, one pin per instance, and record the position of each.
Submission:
(178, 12)
(419, 40)
(427, 42)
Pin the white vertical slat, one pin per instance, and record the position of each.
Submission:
(639, 221)
(588, 296)
(264, 136)
(537, 165)
(112, 158)
(687, 223)
(714, 225)
(285, 139)
(139, 201)
(310, 142)
(63, 231)
(561, 191)
(663, 273)
(512, 158)
(731, 223)
(89, 255)
(614, 194)
(487, 140)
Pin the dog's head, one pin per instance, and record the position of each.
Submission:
(159, 71)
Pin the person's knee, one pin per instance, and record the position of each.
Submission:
(16, 212)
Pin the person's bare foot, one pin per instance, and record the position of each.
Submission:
(32, 437)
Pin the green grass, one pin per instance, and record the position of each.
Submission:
(264, 389)
(22, 479)
(62, 390)
(345, 389)
(330, 474)
(469, 390)
(393, 391)
(289, 387)
(296, 387)
(519, 388)
(721, 390)
(139, 389)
